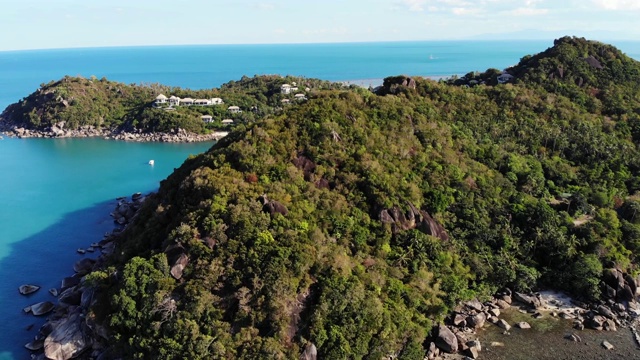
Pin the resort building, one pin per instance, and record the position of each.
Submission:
(207, 118)
(186, 101)
(160, 99)
(174, 100)
(233, 109)
(300, 97)
(227, 122)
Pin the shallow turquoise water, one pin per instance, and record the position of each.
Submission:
(56, 196)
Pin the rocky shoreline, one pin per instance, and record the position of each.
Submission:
(458, 337)
(59, 131)
(70, 331)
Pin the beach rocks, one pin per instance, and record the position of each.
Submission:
(84, 266)
(532, 301)
(42, 308)
(607, 345)
(523, 325)
(28, 289)
(125, 210)
(573, 337)
(446, 340)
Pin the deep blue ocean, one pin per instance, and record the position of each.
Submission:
(56, 195)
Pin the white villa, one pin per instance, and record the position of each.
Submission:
(161, 99)
(207, 118)
(300, 97)
(285, 101)
(176, 101)
(234, 109)
(227, 121)
(285, 89)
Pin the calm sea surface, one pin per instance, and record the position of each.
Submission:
(55, 195)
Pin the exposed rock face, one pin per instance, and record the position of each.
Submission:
(410, 83)
(273, 207)
(413, 219)
(310, 352)
(67, 340)
(28, 289)
(619, 286)
(446, 340)
(178, 266)
(593, 62)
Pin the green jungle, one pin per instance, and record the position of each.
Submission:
(356, 220)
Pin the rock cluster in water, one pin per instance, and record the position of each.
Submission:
(70, 330)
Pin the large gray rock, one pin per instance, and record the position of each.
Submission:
(67, 340)
(502, 304)
(446, 340)
(606, 312)
(596, 323)
(474, 305)
(42, 308)
(476, 321)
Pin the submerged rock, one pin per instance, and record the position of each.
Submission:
(28, 289)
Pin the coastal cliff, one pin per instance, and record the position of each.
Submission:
(354, 223)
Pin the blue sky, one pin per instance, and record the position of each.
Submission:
(38, 24)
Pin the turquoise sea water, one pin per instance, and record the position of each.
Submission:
(55, 195)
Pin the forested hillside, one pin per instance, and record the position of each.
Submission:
(355, 221)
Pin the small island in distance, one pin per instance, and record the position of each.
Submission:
(365, 223)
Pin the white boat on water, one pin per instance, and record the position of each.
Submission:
(151, 162)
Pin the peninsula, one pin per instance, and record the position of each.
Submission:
(82, 107)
